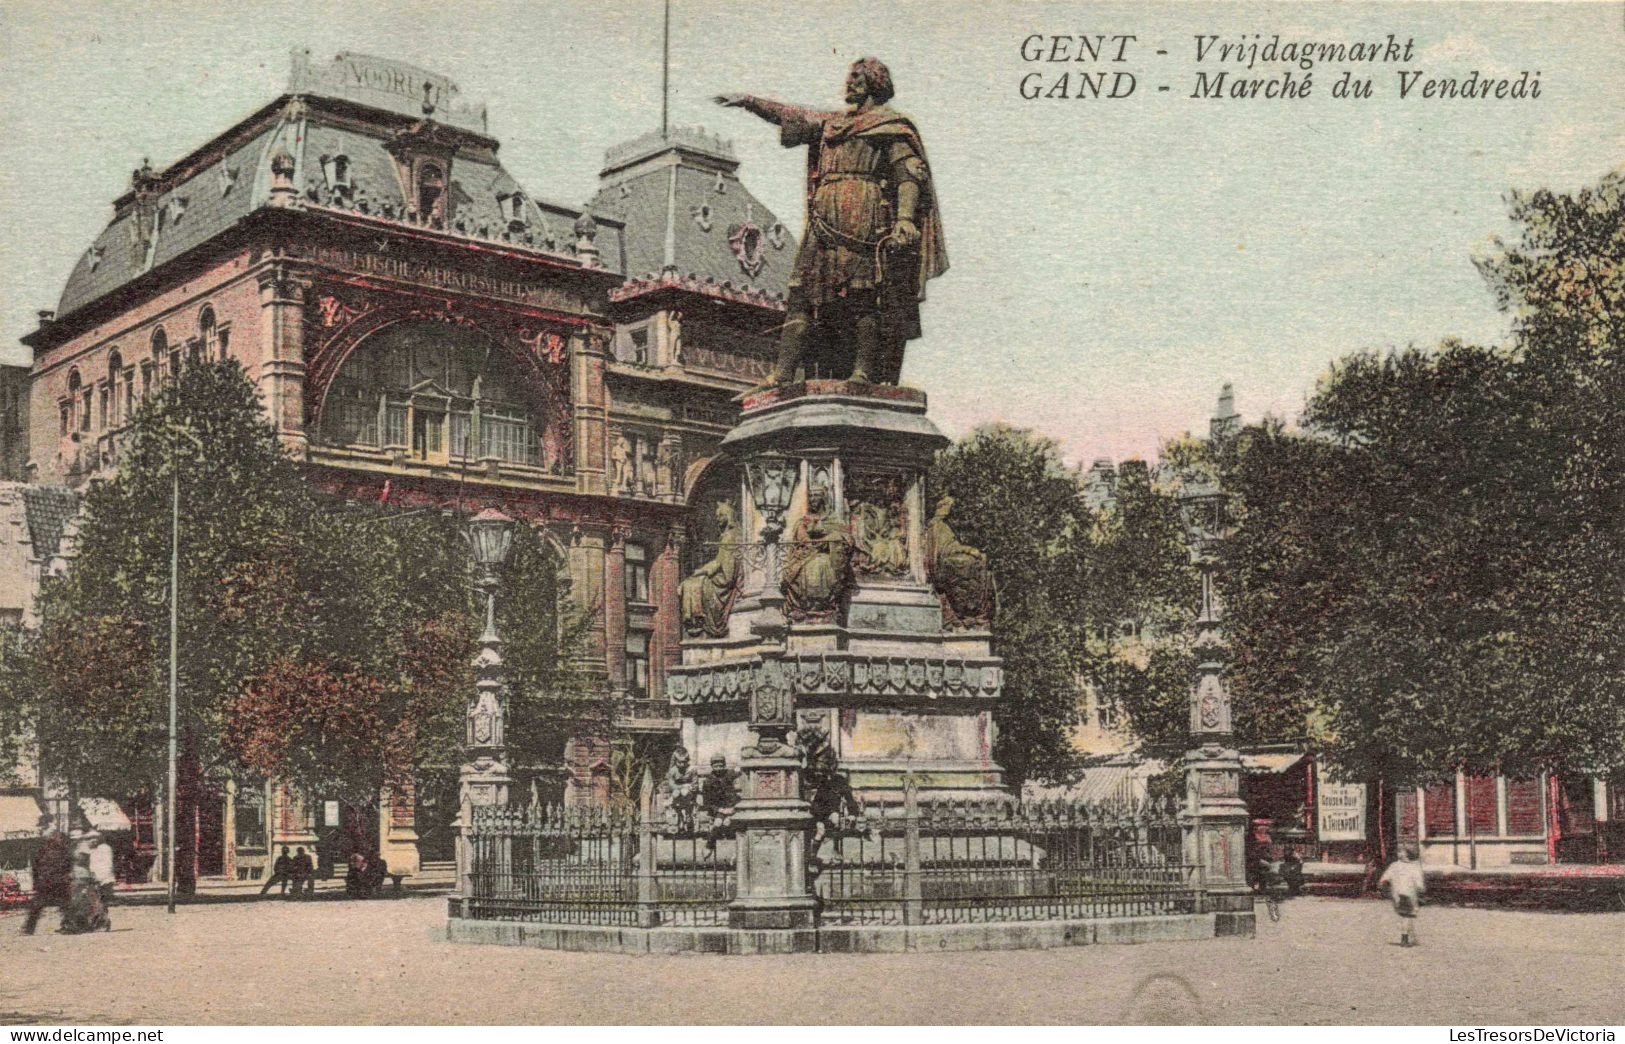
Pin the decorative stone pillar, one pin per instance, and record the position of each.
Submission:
(771, 480)
(483, 778)
(1214, 816)
(667, 578)
(591, 407)
(772, 819)
(282, 355)
(615, 605)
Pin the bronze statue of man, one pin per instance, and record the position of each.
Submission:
(873, 235)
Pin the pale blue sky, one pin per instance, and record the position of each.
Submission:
(1112, 262)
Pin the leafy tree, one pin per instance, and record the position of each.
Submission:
(1433, 570)
(101, 683)
(327, 645)
(1139, 569)
(1016, 501)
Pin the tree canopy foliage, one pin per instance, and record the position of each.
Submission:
(1433, 568)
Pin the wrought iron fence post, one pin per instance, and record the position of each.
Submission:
(648, 910)
(913, 891)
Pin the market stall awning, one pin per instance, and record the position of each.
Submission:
(1271, 761)
(104, 815)
(19, 816)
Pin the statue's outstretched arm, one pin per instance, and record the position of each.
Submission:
(769, 110)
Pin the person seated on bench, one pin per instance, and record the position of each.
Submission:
(377, 870)
(356, 879)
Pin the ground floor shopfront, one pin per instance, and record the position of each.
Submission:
(1470, 821)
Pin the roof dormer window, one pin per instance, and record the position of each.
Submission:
(336, 169)
(513, 210)
(94, 256)
(431, 195)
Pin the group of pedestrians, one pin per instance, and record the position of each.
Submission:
(298, 870)
(75, 875)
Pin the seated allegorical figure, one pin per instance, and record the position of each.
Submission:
(817, 563)
(706, 597)
(958, 571)
(878, 534)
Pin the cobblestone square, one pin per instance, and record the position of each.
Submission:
(338, 961)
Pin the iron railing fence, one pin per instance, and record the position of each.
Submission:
(919, 863)
(948, 863)
(590, 866)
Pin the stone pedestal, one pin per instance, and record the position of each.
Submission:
(773, 890)
(772, 819)
(1215, 826)
(861, 640)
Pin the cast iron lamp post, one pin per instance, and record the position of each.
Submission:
(771, 482)
(1215, 815)
(483, 778)
(176, 433)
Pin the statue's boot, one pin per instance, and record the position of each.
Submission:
(866, 332)
(791, 339)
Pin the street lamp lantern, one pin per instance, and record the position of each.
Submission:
(490, 536)
(1204, 508)
(772, 484)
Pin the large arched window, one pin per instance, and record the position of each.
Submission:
(164, 360)
(439, 393)
(211, 334)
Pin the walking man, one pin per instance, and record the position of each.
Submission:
(53, 873)
(1403, 879)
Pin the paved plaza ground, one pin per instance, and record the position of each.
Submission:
(343, 961)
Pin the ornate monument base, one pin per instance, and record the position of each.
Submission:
(838, 605)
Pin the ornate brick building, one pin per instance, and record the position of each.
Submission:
(423, 328)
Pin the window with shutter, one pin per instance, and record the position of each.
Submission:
(1523, 808)
(1439, 806)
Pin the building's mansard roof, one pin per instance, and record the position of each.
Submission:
(326, 111)
(690, 222)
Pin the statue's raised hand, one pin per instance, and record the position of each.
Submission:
(731, 101)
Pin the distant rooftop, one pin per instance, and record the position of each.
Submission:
(691, 225)
(696, 141)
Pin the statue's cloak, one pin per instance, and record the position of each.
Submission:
(882, 121)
